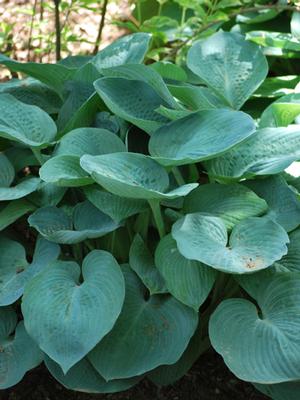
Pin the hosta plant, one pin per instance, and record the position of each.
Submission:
(146, 214)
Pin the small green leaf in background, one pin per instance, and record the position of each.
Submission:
(282, 112)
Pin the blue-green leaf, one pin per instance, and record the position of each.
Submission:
(261, 345)
(148, 333)
(228, 64)
(204, 238)
(86, 222)
(67, 317)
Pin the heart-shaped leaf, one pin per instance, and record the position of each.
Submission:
(24, 123)
(132, 175)
(16, 272)
(228, 64)
(83, 377)
(254, 156)
(19, 353)
(87, 222)
(267, 339)
(68, 318)
(284, 205)
(142, 262)
(130, 49)
(152, 332)
(118, 208)
(188, 281)
(232, 202)
(200, 136)
(204, 238)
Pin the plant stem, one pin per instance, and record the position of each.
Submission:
(158, 218)
(159, 9)
(77, 252)
(193, 173)
(40, 28)
(139, 11)
(112, 242)
(142, 223)
(57, 31)
(183, 16)
(178, 176)
(101, 26)
(31, 29)
(38, 155)
(89, 245)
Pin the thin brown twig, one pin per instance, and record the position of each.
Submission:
(40, 28)
(67, 15)
(246, 10)
(57, 31)
(101, 26)
(31, 29)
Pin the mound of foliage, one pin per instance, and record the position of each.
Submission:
(144, 216)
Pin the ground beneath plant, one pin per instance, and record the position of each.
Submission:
(27, 39)
(209, 379)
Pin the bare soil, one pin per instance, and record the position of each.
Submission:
(209, 379)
